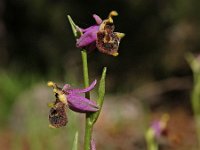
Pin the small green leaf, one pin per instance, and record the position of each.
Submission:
(101, 91)
(101, 94)
(76, 30)
(75, 143)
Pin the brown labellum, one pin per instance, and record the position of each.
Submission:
(107, 40)
(57, 115)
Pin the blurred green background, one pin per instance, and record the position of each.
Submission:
(37, 45)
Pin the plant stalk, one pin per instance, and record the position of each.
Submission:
(196, 104)
(150, 139)
(88, 124)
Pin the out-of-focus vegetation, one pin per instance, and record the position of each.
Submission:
(37, 45)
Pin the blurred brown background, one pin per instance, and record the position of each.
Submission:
(148, 78)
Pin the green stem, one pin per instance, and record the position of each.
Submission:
(195, 98)
(88, 124)
(196, 104)
(150, 139)
(85, 71)
(88, 134)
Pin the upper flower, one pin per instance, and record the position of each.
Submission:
(101, 36)
(89, 35)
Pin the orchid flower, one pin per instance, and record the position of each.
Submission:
(157, 130)
(89, 35)
(73, 100)
(159, 127)
(101, 36)
(70, 97)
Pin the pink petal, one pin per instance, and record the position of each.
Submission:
(80, 104)
(157, 128)
(91, 28)
(66, 87)
(92, 144)
(97, 19)
(89, 36)
(73, 91)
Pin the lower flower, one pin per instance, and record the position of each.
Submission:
(68, 97)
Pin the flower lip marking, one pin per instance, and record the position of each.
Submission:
(107, 40)
(57, 115)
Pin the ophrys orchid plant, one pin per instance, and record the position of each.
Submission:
(100, 36)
